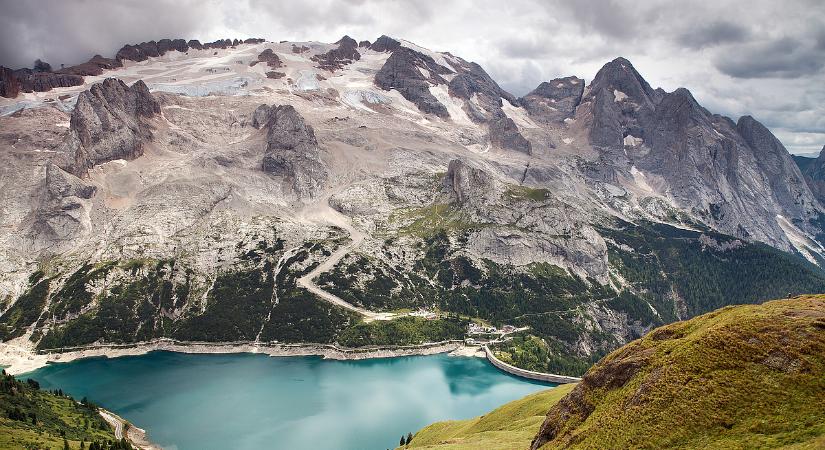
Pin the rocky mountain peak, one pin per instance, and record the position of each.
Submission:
(785, 178)
(109, 122)
(337, 58)
(554, 100)
(624, 82)
(385, 44)
(679, 109)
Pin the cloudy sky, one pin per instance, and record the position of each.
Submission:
(763, 58)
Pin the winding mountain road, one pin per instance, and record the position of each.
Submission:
(334, 217)
(115, 422)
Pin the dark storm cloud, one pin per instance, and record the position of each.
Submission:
(68, 32)
(713, 34)
(759, 57)
(782, 58)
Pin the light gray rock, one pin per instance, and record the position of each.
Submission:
(110, 121)
(62, 212)
(554, 100)
(292, 152)
(465, 183)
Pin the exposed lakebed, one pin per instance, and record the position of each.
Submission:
(246, 401)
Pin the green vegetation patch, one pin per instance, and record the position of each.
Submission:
(526, 193)
(25, 311)
(403, 331)
(666, 259)
(749, 376)
(427, 220)
(511, 426)
(33, 418)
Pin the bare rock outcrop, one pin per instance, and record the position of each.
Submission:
(554, 100)
(36, 81)
(62, 211)
(9, 86)
(95, 66)
(465, 183)
(505, 134)
(270, 58)
(292, 151)
(110, 121)
(385, 44)
(337, 58)
(403, 72)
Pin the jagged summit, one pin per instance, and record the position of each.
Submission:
(620, 78)
(385, 44)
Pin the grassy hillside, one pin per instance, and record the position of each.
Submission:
(511, 426)
(32, 418)
(750, 376)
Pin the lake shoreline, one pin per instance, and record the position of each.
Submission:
(20, 360)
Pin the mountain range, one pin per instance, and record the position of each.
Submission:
(305, 192)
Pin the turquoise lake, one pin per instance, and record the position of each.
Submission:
(249, 401)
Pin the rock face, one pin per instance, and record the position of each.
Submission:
(9, 86)
(261, 116)
(784, 177)
(32, 81)
(505, 134)
(465, 183)
(153, 49)
(62, 214)
(385, 44)
(270, 58)
(403, 72)
(94, 66)
(109, 122)
(337, 58)
(554, 100)
(814, 173)
(291, 150)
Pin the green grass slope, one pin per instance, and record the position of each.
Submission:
(750, 376)
(31, 418)
(511, 426)
(741, 377)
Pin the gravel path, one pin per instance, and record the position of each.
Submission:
(308, 280)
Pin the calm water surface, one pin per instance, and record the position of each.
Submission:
(248, 401)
